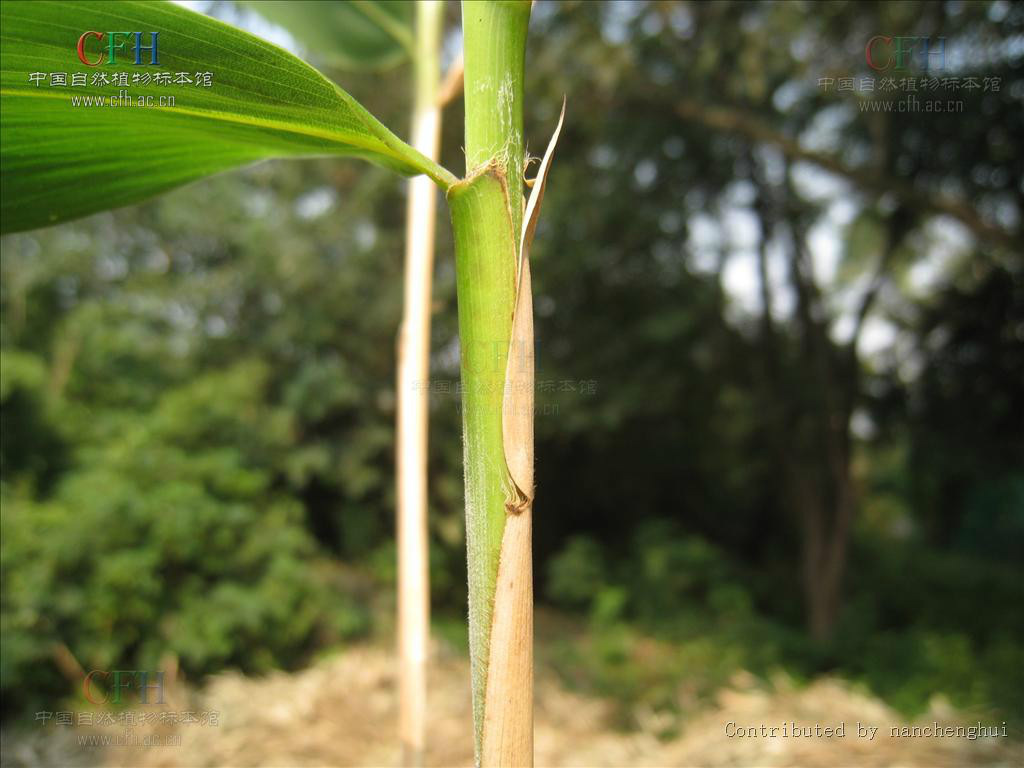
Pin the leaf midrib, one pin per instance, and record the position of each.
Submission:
(285, 127)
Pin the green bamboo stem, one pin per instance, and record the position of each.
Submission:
(486, 210)
(494, 44)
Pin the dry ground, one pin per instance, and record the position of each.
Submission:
(342, 712)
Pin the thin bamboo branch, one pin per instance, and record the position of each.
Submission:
(451, 87)
(413, 372)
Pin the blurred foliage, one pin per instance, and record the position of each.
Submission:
(350, 36)
(198, 397)
(673, 619)
(169, 538)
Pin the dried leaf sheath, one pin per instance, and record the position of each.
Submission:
(508, 710)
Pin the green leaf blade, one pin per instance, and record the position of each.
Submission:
(61, 161)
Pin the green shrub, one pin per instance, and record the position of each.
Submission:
(671, 619)
(575, 574)
(173, 540)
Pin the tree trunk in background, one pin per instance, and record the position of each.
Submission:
(413, 395)
(825, 532)
(809, 419)
(823, 488)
